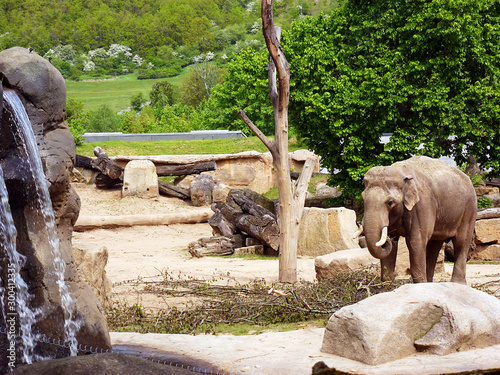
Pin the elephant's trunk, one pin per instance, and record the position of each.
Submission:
(376, 238)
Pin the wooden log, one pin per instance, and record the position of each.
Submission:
(189, 217)
(84, 162)
(257, 198)
(219, 245)
(105, 182)
(107, 166)
(173, 191)
(221, 225)
(185, 169)
(488, 213)
(263, 228)
(250, 207)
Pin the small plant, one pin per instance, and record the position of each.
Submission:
(484, 202)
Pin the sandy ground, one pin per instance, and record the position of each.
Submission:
(148, 251)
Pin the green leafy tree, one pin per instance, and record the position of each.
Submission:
(161, 94)
(428, 71)
(245, 86)
(137, 101)
(103, 119)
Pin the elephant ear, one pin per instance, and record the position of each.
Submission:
(410, 193)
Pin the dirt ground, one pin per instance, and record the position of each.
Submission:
(147, 252)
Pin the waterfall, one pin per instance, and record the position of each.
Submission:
(15, 293)
(25, 131)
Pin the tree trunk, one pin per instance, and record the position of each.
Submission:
(173, 191)
(107, 166)
(291, 202)
(488, 213)
(185, 169)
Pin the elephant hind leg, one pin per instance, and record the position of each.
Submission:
(461, 247)
(432, 253)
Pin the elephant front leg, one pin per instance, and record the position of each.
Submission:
(388, 264)
(418, 259)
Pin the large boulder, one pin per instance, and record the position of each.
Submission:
(329, 265)
(488, 230)
(42, 91)
(323, 231)
(436, 318)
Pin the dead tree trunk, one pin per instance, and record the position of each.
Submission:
(107, 166)
(185, 169)
(291, 202)
(264, 228)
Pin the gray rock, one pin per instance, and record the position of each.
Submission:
(436, 318)
(96, 364)
(201, 190)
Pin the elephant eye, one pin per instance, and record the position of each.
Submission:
(391, 203)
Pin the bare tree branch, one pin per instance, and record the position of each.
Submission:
(268, 143)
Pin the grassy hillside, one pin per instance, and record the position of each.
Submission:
(114, 92)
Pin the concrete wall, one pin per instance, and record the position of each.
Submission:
(202, 134)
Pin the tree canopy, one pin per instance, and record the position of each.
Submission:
(426, 71)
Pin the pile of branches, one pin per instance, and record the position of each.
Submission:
(255, 303)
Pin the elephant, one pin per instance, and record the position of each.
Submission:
(426, 201)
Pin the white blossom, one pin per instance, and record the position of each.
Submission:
(224, 56)
(250, 6)
(137, 60)
(150, 65)
(89, 66)
(98, 53)
(203, 57)
(255, 27)
(115, 50)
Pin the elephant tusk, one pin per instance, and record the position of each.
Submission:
(357, 233)
(383, 238)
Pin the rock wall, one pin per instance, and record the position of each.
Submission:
(43, 92)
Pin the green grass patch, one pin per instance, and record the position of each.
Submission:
(252, 257)
(191, 147)
(115, 92)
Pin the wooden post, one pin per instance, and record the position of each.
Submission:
(291, 202)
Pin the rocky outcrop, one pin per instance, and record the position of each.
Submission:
(43, 92)
(436, 318)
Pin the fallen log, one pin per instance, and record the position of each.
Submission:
(221, 225)
(211, 246)
(264, 228)
(189, 217)
(105, 182)
(84, 162)
(107, 166)
(173, 190)
(488, 213)
(248, 205)
(185, 169)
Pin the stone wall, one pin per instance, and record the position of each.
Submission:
(42, 90)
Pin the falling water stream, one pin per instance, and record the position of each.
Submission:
(28, 140)
(16, 290)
